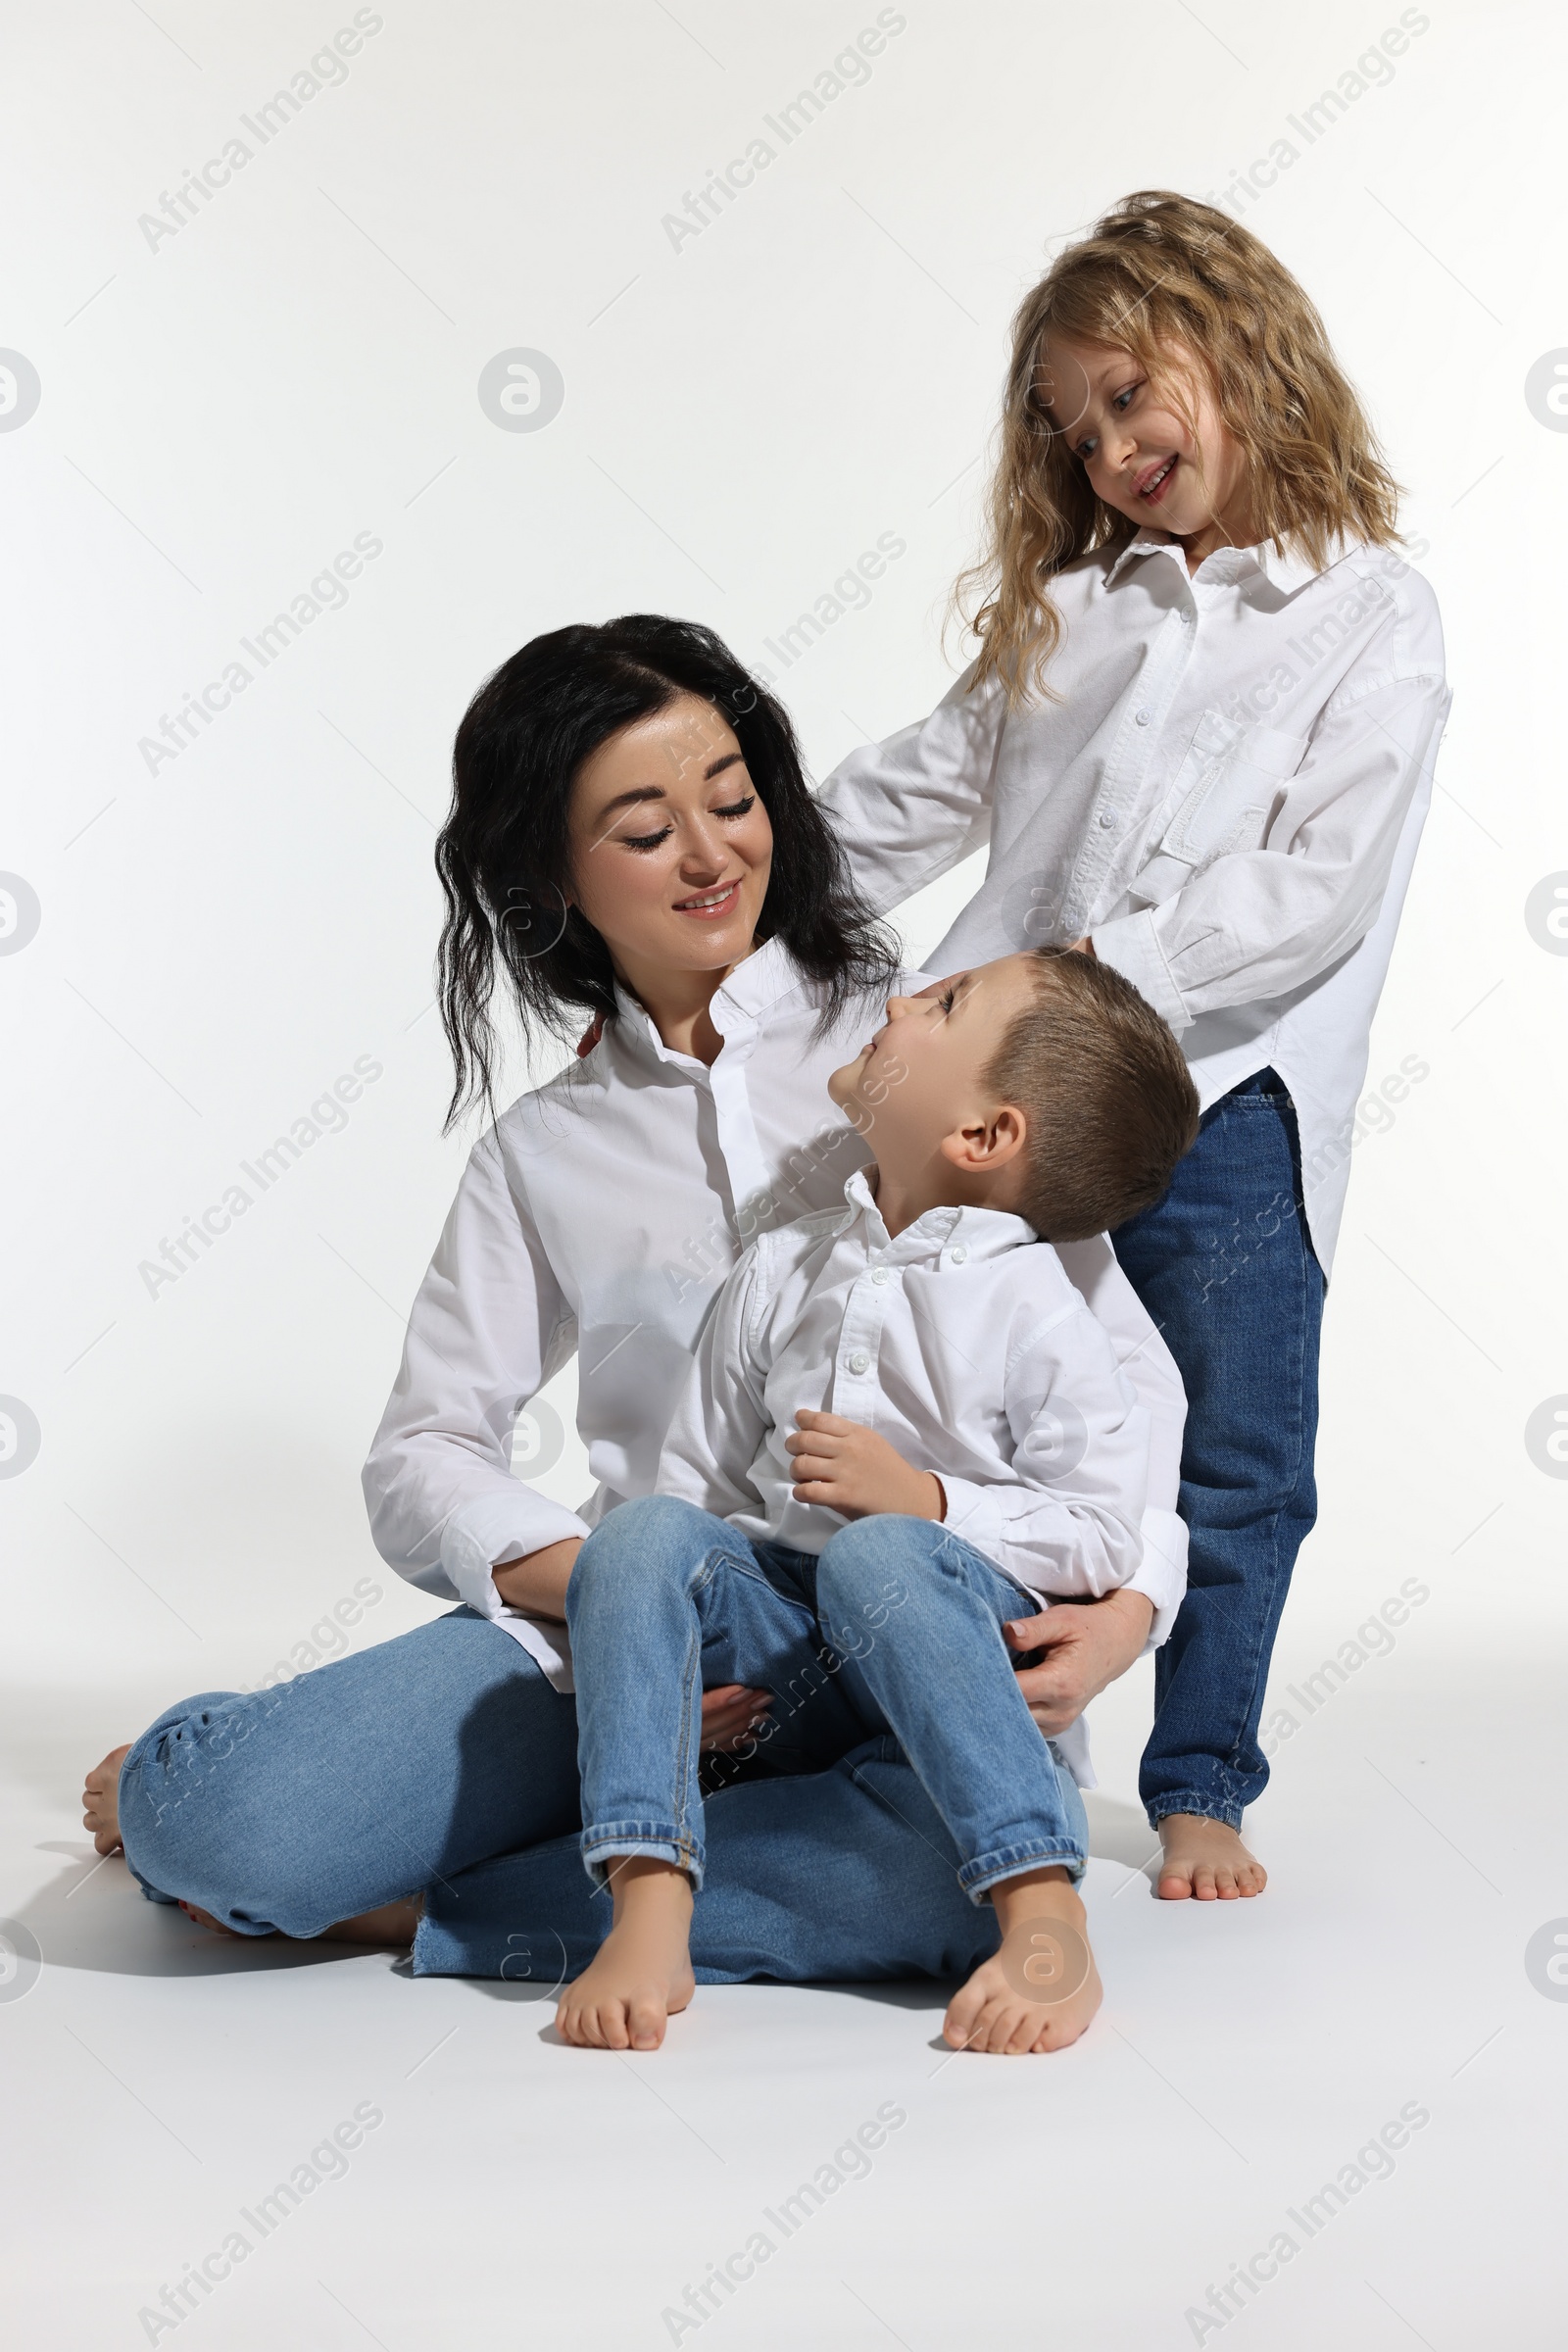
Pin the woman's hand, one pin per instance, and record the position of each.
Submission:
(537, 1585)
(853, 1470)
(730, 1715)
(1088, 1645)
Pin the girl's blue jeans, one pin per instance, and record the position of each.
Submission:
(894, 1629)
(1225, 1266)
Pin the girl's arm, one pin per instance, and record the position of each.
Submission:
(910, 809)
(488, 1327)
(1258, 922)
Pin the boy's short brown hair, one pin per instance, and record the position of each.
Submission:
(1106, 1089)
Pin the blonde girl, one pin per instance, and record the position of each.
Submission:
(1196, 741)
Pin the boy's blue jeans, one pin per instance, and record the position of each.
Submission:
(895, 1628)
(1225, 1265)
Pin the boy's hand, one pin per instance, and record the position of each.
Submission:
(850, 1469)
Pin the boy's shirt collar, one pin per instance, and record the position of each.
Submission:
(954, 1236)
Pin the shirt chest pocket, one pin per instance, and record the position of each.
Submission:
(1222, 799)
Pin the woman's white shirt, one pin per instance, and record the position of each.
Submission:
(601, 1215)
(1224, 790)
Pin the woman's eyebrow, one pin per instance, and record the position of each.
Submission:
(718, 767)
(630, 799)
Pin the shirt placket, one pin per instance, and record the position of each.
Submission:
(1117, 809)
(747, 1170)
(855, 1385)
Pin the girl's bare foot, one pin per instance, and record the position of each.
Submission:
(1206, 1860)
(642, 1972)
(1041, 1989)
(100, 1800)
(392, 1924)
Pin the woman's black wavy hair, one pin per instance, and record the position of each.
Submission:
(504, 855)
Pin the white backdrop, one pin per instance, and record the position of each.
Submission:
(211, 396)
(226, 929)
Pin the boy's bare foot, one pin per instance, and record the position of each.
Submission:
(642, 1972)
(392, 1924)
(1041, 1989)
(1205, 1859)
(100, 1800)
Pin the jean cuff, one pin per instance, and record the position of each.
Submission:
(1207, 1808)
(604, 1841)
(977, 1878)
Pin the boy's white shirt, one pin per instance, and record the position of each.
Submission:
(1225, 794)
(580, 1225)
(961, 1342)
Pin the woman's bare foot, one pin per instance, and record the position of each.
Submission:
(392, 1924)
(1041, 1989)
(642, 1972)
(1206, 1860)
(100, 1800)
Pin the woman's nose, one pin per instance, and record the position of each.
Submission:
(898, 1007)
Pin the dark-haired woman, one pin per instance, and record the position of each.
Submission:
(631, 838)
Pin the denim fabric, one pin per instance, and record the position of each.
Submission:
(894, 1628)
(288, 1809)
(845, 1877)
(1225, 1266)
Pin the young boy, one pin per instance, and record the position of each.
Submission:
(961, 1443)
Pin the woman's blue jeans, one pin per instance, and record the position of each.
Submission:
(1225, 1265)
(443, 1761)
(895, 1628)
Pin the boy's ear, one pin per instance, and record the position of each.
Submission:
(985, 1146)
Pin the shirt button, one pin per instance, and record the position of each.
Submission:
(959, 1255)
(860, 1361)
(1107, 820)
(1143, 718)
(879, 1273)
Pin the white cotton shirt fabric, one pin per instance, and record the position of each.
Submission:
(601, 1216)
(1224, 790)
(962, 1342)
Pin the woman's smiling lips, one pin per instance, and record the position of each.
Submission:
(711, 906)
(1153, 482)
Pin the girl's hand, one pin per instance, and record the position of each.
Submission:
(730, 1714)
(854, 1472)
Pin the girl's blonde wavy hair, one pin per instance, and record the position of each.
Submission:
(1161, 269)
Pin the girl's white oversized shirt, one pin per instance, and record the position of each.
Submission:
(601, 1216)
(1224, 790)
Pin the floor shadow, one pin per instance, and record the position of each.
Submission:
(1119, 1831)
(95, 1917)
